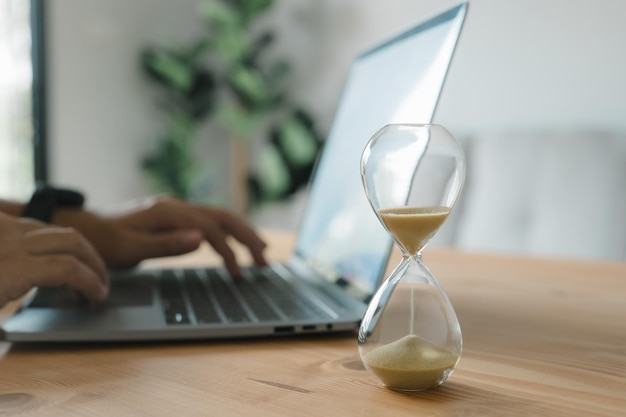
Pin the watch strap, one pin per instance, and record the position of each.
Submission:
(46, 199)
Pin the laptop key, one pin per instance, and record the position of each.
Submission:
(291, 302)
(228, 303)
(172, 301)
(202, 307)
(260, 307)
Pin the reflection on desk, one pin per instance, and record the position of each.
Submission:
(542, 338)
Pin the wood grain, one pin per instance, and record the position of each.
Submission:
(542, 338)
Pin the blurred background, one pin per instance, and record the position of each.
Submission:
(228, 102)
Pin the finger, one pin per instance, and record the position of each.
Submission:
(202, 218)
(61, 240)
(67, 270)
(26, 225)
(217, 239)
(245, 234)
(155, 245)
(156, 215)
(172, 214)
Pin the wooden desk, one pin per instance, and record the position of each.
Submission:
(542, 338)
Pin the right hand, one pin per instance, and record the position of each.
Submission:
(35, 254)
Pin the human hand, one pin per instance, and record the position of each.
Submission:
(164, 227)
(33, 254)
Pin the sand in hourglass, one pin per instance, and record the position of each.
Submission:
(411, 363)
(413, 226)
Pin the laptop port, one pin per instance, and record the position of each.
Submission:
(308, 327)
(284, 329)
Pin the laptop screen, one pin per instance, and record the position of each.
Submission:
(397, 82)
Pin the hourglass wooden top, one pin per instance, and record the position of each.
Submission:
(413, 226)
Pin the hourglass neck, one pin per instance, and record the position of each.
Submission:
(417, 257)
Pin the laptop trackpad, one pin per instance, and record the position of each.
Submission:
(125, 292)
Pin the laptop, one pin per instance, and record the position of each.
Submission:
(341, 250)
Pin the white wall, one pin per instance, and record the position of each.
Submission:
(537, 64)
(102, 116)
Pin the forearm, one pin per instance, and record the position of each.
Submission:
(67, 217)
(62, 216)
(11, 208)
(73, 217)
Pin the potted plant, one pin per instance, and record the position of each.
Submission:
(224, 75)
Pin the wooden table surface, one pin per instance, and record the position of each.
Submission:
(541, 338)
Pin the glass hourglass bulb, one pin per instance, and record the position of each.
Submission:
(410, 338)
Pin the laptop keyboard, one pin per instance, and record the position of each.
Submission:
(209, 297)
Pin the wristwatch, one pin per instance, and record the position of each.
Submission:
(46, 199)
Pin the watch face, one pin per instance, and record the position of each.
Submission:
(68, 198)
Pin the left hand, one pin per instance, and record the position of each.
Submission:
(34, 254)
(163, 227)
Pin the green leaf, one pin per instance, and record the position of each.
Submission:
(249, 9)
(176, 72)
(251, 84)
(298, 142)
(171, 166)
(218, 13)
(231, 43)
(273, 175)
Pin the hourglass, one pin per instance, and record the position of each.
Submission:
(410, 338)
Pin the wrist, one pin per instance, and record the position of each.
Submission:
(100, 231)
(11, 208)
(70, 217)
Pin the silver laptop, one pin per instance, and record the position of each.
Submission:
(341, 250)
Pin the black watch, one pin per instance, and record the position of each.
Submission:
(47, 199)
